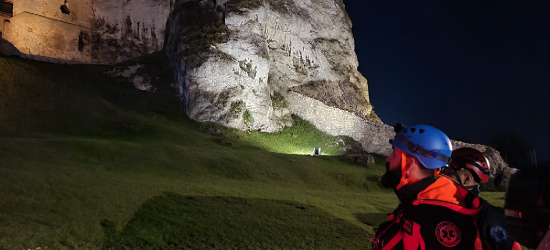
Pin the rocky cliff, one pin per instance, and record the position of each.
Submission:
(250, 64)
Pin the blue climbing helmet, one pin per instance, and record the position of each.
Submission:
(429, 145)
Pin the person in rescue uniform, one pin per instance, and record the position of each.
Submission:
(469, 167)
(434, 211)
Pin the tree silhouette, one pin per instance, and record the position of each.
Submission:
(517, 152)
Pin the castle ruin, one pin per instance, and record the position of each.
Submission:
(84, 31)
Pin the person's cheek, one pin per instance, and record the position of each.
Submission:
(393, 163)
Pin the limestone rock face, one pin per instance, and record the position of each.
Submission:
(263, 60)
(123, 30)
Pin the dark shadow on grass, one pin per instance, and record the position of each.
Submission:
(173, 221)
(372, 219)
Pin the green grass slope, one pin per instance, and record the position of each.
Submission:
(89, 162)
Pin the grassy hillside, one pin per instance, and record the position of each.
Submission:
(89, 162)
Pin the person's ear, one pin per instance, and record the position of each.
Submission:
(468, 178)
(411, 161)
(410, 165)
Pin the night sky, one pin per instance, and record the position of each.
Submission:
(471, 69)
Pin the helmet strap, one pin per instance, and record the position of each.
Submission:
(457, 177)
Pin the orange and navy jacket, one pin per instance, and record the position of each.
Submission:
(492, 229)
(434, 213)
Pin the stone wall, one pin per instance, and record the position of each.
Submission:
(42, 38)
(373, 135)
(39, 30)
(80, 11)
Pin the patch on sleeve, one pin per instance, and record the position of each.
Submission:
(448, 234)
(408, 226)
(499, 234)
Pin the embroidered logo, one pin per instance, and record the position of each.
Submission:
(499, 234)
(448, 234)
